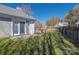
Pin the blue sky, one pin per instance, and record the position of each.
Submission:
(44, 11)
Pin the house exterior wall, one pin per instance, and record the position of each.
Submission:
(31, 27)
(5, 27)
(10, 15)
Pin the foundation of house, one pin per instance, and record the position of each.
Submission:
(22, 37)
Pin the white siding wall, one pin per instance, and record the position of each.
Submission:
(5, 27)
(31, 28)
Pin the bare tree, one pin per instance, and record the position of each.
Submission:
(53, 21)
(27, 9)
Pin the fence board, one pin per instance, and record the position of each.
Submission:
(71, 32)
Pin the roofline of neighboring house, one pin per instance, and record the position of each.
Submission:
(4, 12)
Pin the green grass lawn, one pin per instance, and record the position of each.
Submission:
(46, 44)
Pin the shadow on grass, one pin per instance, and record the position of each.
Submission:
(75, 42)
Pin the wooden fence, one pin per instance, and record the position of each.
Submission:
(71, 31)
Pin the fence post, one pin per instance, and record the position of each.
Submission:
(77, 34)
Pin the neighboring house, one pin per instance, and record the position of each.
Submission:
(15, 22)
(37, 25)
(61, 24)
(77, 23)
(43, 28)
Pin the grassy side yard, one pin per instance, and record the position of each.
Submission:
(46, 44)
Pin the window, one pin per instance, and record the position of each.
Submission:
(22, 27)
(18, 28)
(15, 28)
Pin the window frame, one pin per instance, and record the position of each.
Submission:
(24, 27)
(18, 24)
